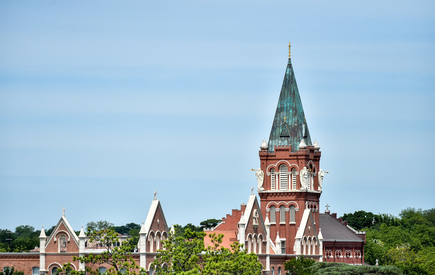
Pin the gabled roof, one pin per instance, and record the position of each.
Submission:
(289, 125)
(332, 230)
(307, 220)
(71, 232)
(155, 206)
(249, 208)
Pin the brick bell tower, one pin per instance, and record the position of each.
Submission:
(290, 165)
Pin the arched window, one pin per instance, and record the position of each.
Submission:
(279, 270)
(151, 239)
(35, 270)
(282, 214)
(309, 246)
(249, 244)
(254, 244)
(102, 270)
(310, 178)
(293, 178)
(62, 243)
(6, 269)
(157, 241)
(283, 177)
(273, 271)
(292, 214)
(272, 179)
(151, 271)
(54, 271)
(272, 214)
(260, 243)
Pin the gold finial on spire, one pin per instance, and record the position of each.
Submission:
(289, 52)
(285, 118)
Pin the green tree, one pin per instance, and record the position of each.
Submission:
(180, 254)
(210, 223)
(187, 255)
(298, 265)
(11, 271)
(118, 257)
(360, 219)
(100, 225)
(220, 260)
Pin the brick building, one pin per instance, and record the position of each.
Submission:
(283, 223)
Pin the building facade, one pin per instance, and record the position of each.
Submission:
(285, 222)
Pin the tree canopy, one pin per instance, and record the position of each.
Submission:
(407, 241)
(187, 255)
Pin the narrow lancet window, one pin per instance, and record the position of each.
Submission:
(272, 179)
(293, 179)
(283, 177)
(272, 214)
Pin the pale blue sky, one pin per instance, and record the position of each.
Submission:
(103, 102)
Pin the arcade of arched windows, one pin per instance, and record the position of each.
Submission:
(154, 240)
(280, 207)
(281, 178)
(312, 205)
(339, 256)
(309, 246)
(255, 243)
(284, 177)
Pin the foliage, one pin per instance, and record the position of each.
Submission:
(11, 271)
(407, 242)
(126, 229)
(180, 255)
(298, 265)
(323, 268)
(118, 257)
(220, 260)
(100, 225)
(210, 223)
(24, 238)
(360, 219)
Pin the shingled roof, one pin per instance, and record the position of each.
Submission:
(333, 230)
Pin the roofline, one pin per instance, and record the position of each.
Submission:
(348, 241)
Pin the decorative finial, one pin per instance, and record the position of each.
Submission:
(252, 190)
(155, 195)
(63, 212)
(327, 208)
(285, 119)
(289, 52)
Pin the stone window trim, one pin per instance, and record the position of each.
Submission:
(60, 233)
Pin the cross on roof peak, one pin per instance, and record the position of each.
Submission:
(63, 212)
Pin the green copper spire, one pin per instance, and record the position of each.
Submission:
(289, 125)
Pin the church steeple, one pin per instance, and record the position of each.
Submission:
(289, 125)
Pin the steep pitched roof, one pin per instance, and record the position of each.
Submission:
(71, 232)
(289, 125)
(253, 202)
(155, 206)
(332, 230)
